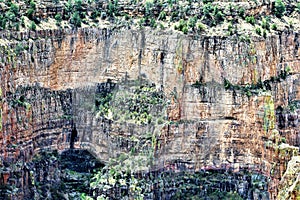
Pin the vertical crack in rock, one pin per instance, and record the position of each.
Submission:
(166, 100)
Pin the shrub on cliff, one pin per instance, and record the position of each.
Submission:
(94, 15)
(68, 10)
(213, 13)
(241, 12)
(201, 27)
(14, 9)
(250, 20)
(32, 26)
(10, 16)
(148, 8)
(76, 20)
(2, 22)
(279, 8)
(162, 15)
(58, 19)
(182, 26)
(274, 27)
(258, 30)
(265, 23)
(207, 10)
(298, 7)
(78, 5)
(30, 12)
(192, 22)
(112, 8)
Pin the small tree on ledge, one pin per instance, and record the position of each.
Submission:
(279, 8)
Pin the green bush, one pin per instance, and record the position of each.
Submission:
(201, 27)
(218, 15)
(58, 17)
(94, 14)
(10, 16)
(298, 7)
(162, 15)
(258, 31)
(279, 8)
(274, 27)
(32, 26)
(192, 22)
(68, 9)
(22, 22)
(250, 20)
(78, 5)
(2, 21)
(185, 30)
(214, 13)
(230, 29)
(161, 26)
(76, 20)
(31, 10)
(141, 22)
(182, 26)
(19, 48)
(32, 4)
(112, 8)
(174, 15)
(14, 9)
(153, 23)
(148, 8)
(242, 12)
(265, 34)
(30, 13)
(265, 23)
(17, 26)
(207, 10)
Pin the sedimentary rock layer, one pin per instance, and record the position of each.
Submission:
(48, 88)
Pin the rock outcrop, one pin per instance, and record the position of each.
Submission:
(49, 87)
(213, 96)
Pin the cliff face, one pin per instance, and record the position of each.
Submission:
(230, 102)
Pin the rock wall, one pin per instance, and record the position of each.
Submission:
(49, 82)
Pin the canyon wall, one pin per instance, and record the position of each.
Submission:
(230, 103)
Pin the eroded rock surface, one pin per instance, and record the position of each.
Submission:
(205, 123)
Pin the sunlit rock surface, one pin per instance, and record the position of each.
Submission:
(206, 102)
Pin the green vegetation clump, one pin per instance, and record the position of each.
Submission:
(230, 29)
(112, 8)
(279, 8)
(265, 23)
(31, 10)
(58, 18)
(201, 27)
(182, 26)
(269, 114)
(241, 12)
(32, 26)
(119, 182)
(255, 88)
(162, 15)
(298, 7)
(138, 104)
(76, 20)
(250, 19)
(155, 14)
(258, 30)
(213, 14)
(274, 27)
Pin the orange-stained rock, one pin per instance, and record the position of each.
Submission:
(208, 125)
